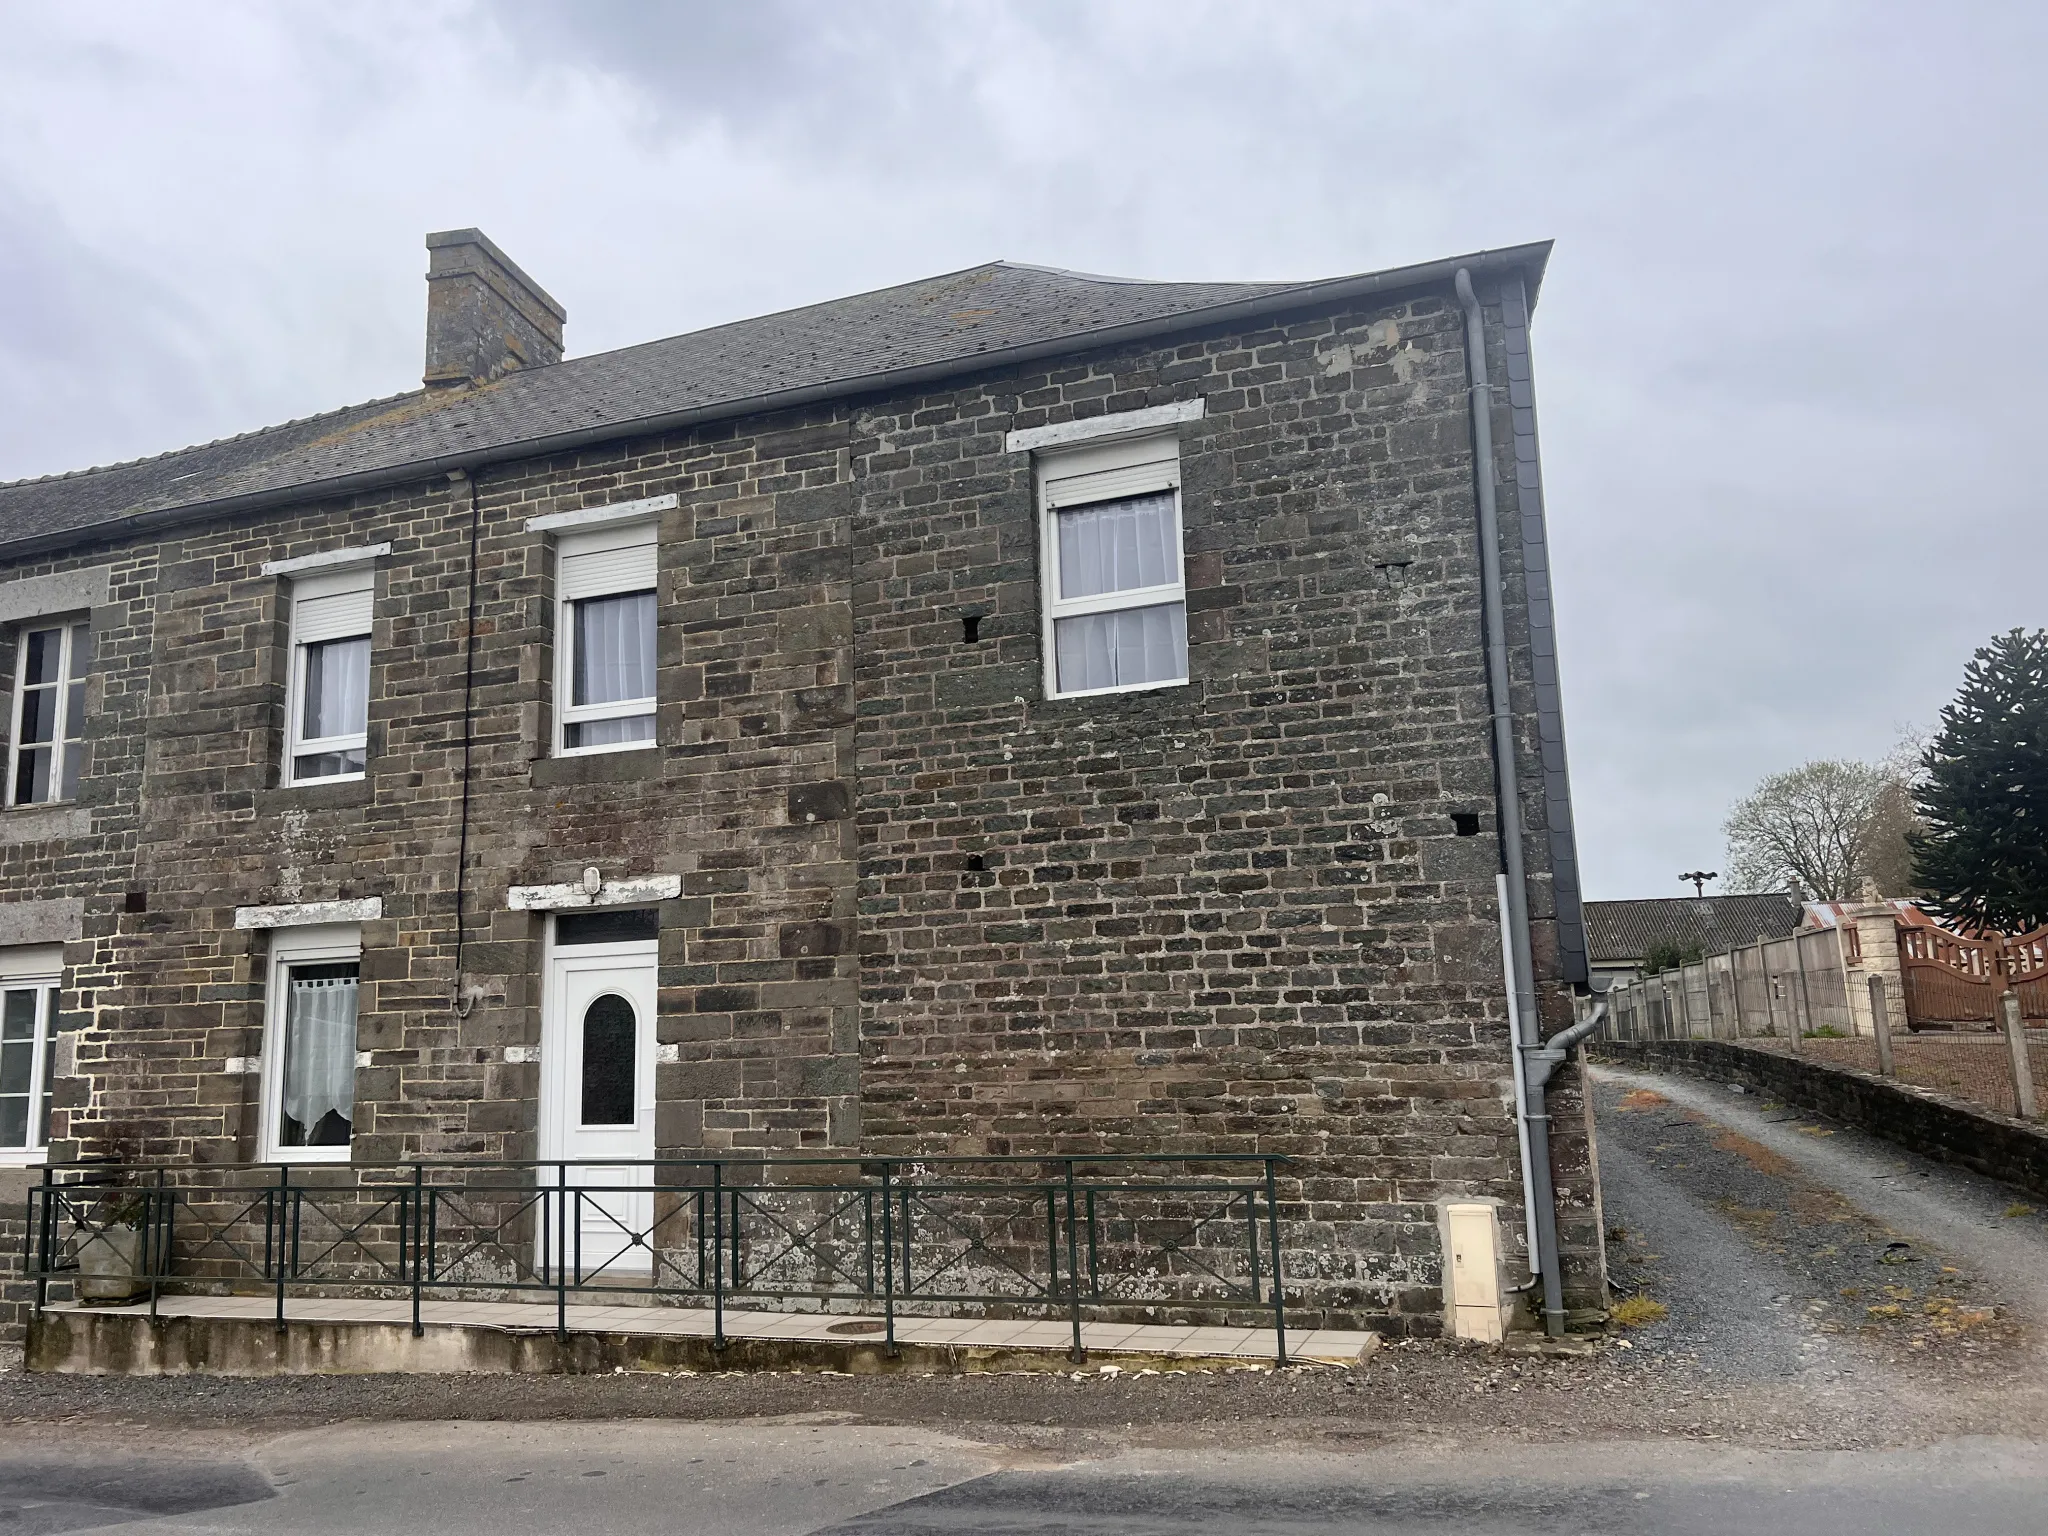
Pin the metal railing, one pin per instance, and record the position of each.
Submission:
(1057, 1235)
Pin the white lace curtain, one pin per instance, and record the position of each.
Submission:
(614, 649)
(1114, 546)
(337, 688)
(1120, 546)
(1131, 645)
(320, 1050)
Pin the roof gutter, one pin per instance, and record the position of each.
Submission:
(1525, 258)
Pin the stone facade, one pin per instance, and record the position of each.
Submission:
(923, 907)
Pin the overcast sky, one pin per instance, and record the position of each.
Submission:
(1789, 354)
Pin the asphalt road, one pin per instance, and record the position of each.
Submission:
(1852, 1345)
(850, 1480)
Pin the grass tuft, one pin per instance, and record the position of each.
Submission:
(1638, 1312)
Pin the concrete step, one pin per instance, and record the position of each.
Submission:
(238, 1335)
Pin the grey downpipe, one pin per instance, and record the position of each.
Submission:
(1508, 793)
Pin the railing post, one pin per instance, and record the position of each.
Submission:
(1881, 1026)
(889, 1259)
(1279, 1290)
(867, 1241)
(419, 1252)
(1077, 1354)
(284, 1246)
(718, 1255)
(42, 1236)
(739, 1271)
(154, 1255)
(561, 1253)
(2016, 1050)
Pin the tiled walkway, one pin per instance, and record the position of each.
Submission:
(1322, 1345)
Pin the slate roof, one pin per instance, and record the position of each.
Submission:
(963, 321)
(1621, 932)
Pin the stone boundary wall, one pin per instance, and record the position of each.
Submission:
(1918, 1119)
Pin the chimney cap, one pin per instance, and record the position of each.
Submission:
(445, 238)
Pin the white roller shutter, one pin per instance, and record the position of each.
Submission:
(1109, 472)
(332, 605)
(604, 562)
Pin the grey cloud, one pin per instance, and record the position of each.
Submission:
(1785, 353)
(94, 353)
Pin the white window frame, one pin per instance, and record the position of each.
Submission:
(40, 966)
(1081, 477)
(331, 944)
(347, 588)
(613, 559)
(62, 733)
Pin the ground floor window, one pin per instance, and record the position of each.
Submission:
(28, 1049)
(310, 1050)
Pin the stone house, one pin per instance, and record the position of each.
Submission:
(1012, 711)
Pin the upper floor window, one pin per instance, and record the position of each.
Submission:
(1116, 613)
(28, 1049)
(604, 639)
(327, 702)
(49, 712)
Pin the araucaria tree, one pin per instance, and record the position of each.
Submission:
(1981, 852)
(1814, 826)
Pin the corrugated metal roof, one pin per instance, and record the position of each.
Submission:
(943, 325)
(1621, 932)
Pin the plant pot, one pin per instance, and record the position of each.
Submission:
(110, 1265)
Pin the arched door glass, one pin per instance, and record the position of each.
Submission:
(610, 1060)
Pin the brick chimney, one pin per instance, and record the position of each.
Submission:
(485, 317)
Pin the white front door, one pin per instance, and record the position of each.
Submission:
(597, 1103)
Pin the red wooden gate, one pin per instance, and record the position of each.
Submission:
(1949, 979)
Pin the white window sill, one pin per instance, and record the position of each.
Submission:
(39, 805)
(14, 1157)
(333, 778)
(1096, 693)
(299, 1156)
(610, 746)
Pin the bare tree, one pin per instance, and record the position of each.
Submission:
(1819, 826)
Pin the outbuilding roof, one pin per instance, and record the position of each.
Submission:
(961, 322)
(1622, 932)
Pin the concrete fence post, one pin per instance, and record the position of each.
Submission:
(1802, 1016)
(1763, 960)
(1881, 1026)
(2016, 1048)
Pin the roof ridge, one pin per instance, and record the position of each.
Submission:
(641, 346)
(211, 442)
(908, 334)
(1158, 282)
(773, 314)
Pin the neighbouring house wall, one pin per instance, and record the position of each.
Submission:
(1232, 916)
(752, 708)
